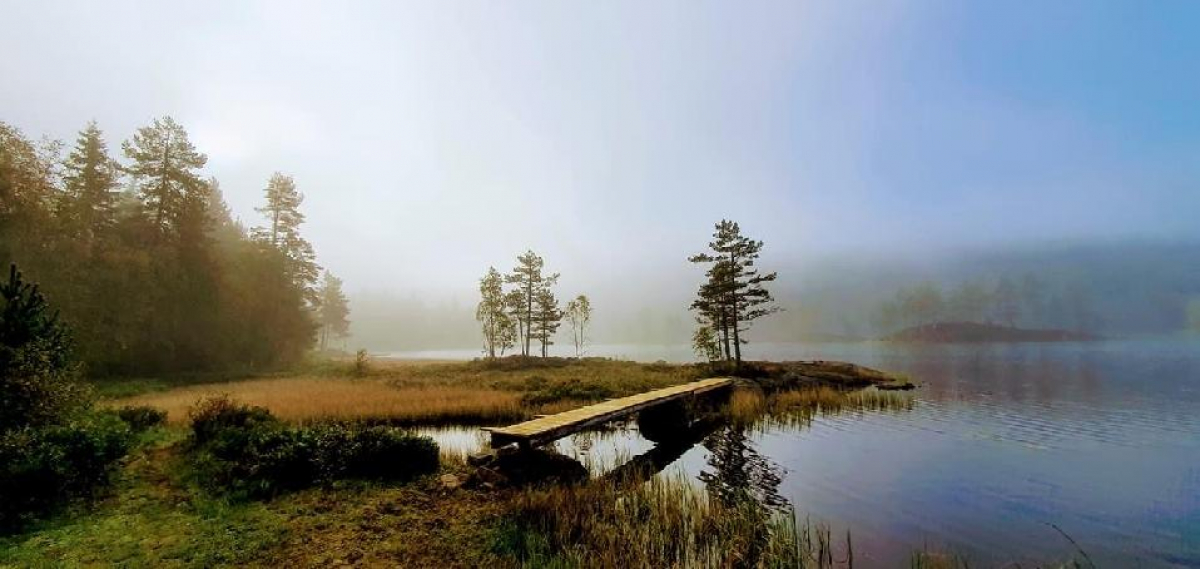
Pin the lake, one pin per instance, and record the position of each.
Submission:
(1003, 443)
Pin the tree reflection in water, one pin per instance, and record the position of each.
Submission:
(738, 475)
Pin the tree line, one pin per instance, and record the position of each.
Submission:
(147, 263)
(1028, 301)
(528, 310)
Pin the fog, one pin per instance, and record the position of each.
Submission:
(870, 146)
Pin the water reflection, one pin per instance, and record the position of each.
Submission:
(1100, 439)
(738, 474)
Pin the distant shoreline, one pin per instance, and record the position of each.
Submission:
(974, 332)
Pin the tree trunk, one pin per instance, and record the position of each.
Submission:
(528, 317)
(733, 311)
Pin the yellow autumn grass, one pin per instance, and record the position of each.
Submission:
(746, 405)
(303, 399)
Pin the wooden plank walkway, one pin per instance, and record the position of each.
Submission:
(552, 427)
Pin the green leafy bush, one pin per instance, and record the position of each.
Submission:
(41, 467)
(142, 417)
(247, 452)
(213, 416)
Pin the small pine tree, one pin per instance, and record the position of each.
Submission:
(498, 327)
(546, 319)
(579, 312)
(37, 375)
(333, 310)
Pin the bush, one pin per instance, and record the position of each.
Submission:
(142, 417)
(245, 451)
(387, 453)
(214, 415)
(571, 389)
(40, 468)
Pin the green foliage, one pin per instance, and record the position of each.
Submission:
(579, 312)
(142, 417)
(41, 467)
(51, 446)
(214, 416)
(247, 452)
(704, 343)
(572, 389)
(158, 278)
(499, 329)
(333, 310)
(531, 303)
(282, 210)
(37, 376)
(734, 294)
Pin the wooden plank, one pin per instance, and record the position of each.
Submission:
(546, 429)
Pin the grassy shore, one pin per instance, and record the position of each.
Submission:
(158, 515)
(461, 393)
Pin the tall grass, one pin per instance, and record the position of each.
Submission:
(666, 522)
(748, 406)
(314, 399)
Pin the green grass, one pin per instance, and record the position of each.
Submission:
(147, 519)
(156, 515)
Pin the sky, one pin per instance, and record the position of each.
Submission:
(432, 139)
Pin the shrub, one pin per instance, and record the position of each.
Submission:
(245, 451)
(362, 363)
(571, 389)
(213, 415)
(142, 417)
(388, 453)
(40, 468)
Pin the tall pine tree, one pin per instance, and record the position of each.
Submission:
(90, 180)
(164, 169)
(522, 301)
(546, 318)
(734, 294)
(282, 211)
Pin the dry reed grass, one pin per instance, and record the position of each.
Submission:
(666, 522)
(318, 398)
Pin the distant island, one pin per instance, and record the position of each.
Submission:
(972, 332)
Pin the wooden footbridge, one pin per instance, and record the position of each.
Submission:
(549, 428)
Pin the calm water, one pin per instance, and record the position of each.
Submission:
(1099, 439)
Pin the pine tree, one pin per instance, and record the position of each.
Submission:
(282, 232)
(37, 374)
(164, 164)
(498, 327)
(546, 318)
(579, 312)
(90, 181)
(333, 310)
(734, 294)
(530, 281)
